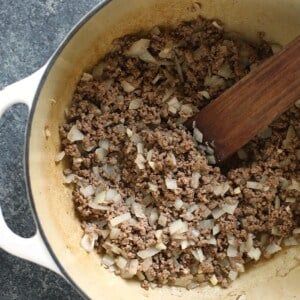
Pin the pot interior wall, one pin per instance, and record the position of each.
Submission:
(276, 279)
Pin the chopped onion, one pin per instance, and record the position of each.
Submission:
(112, 195)
(171, 184)
(174, 105)
(121, 262)
(178, 226)
(140, 148)
(60, 156)
(104, 233)
(205, 94)
(290, 241)
(276, 48)
(195, 180)
(152, 165)
(138, 210)
(168, 94)
(120, 219)
(86, 77)
(198, 135)
(100, 197)
(205, 210)
(160, 246)
(187, 109)
(213, 280)
(290, 135)
(87, 191)
(216, 229)
(178, 203)
(153, 187)
(225, 71)
(129, 132)
(217, 213)
(211, 159)
(101, 154)
(146, 264)
(272, 248)
(139, 47)
(149, 252)
(114, 233)
(237, 191)
(215, 24)
(213, 81)
(240, 267)
(232, 275)
(98, 207)
(69, 179)
(198, 254)
(255, 185)
(254, 253)
(140, 161)
(158, 234)
(153, 217)
(88, 241)
(172, 158)
(294, 186)
(135, 104)
(230, 208)
(207, 224)
(136, 138)
(98, 71)
(108, 261)
(147, 57)
(133, 266)
(127, 87)
(221, 189)
(104, 144)
(212, 241)
(75, 135)
(232, 251)
(297, 103)
(184, 244)
(162, 220)
(195, 233)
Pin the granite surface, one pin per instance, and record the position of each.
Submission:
(30, 30)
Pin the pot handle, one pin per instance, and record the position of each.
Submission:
(33, 248)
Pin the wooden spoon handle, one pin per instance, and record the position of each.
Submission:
(254, 102)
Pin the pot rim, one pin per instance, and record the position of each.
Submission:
(50, 64)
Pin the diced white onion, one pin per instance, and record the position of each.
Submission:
(100, 197)
(254, 253)
(237, 191)
(232, 251)
(153, 217)
(108, 261)
(120, 219)
(212, 241)
(178, 203)
(146, 264)
(140, 161)
(213, 280)
(86, 77)
(160, 246)
(104, 144)
(121, 262)
(149, 252)
(216, 229)
(135, 104)
(133, 266)
(114, 233)
(207, 224)
(112, 195)
(60, 156)
(75, 135)
(230, 208)
(69, 179)
(162, 220)
(205, 94)
(294, 186)
(296, 231)
(139, 47)
(198, 135)
(127, 87)
(255, 185)
(195, 180)
(153, 187)
(88, 241)
(232, 275)
(138, 210)
(198, 254)
(171, 184)
(221, 189)
(272, 248)
(101, 153)
(174, 105)
(87, 191)
(217, 213)
(178, 226)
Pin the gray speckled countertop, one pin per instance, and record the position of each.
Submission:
(30, 30)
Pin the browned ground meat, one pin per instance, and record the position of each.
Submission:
(146, 190)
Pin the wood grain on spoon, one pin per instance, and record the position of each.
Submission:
(252, 104)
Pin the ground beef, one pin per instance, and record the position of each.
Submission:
(143, 183)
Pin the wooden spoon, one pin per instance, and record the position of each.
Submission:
(247, 108)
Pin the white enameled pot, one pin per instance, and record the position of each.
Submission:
(56, 245)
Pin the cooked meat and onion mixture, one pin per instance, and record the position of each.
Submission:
(147, 191)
